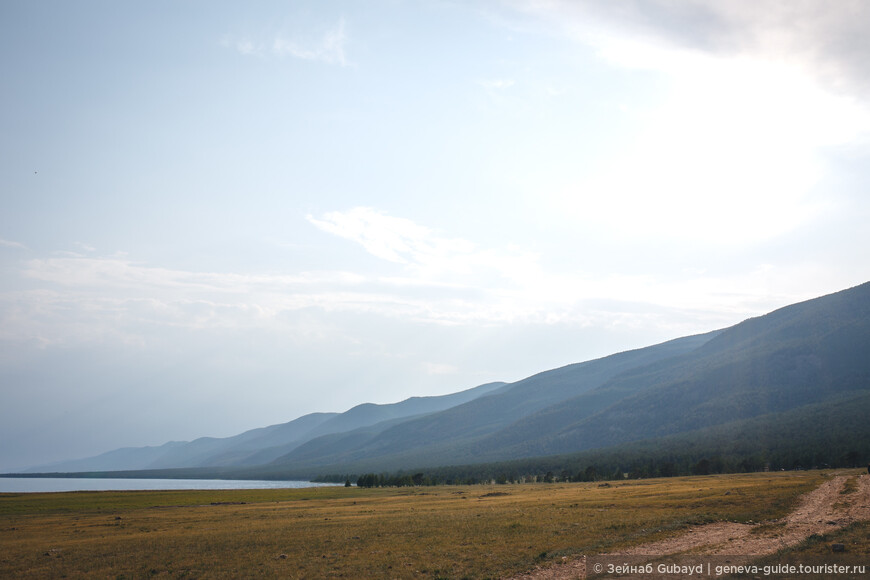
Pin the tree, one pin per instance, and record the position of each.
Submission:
(590, 474)
(668, 469)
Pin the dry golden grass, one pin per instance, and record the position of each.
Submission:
(435, 532)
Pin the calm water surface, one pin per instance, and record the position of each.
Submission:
(42, 484)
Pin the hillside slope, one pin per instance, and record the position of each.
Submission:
(448, 435)
(796, 356)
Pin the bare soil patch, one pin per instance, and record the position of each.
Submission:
(819, 511)
(836, 503)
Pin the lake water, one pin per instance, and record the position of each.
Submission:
(43, 484)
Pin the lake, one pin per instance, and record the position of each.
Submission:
(44, 484)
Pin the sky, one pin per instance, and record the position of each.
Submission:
(217, 216)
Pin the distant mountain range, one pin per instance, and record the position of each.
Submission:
(776, 375)
(263, 445)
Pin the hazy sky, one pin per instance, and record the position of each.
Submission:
(223, 215)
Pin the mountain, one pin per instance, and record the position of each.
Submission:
(797, 356)
(775, 376)
(445, 436)
(197, 452)
(833, 433)
(262, 445)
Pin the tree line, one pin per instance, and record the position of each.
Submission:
(552, 473)
(677, 457)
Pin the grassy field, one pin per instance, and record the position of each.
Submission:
(431, 532)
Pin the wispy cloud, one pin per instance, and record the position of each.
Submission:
(511, 285)
(436, 279)
(86, 247)
(329, 47)
(391, 238)
(84, 298)
(428, 256)
(11, 244)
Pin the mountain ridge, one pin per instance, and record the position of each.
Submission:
(263, 444)
(793, 358)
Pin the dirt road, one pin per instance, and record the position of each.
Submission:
(822, 510)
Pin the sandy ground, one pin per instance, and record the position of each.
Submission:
(820, 511)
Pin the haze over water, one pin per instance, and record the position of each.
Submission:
(39, 484)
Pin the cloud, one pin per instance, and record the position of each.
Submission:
(395, 239)
(829, 42)
(86, 247)
(399, 240)
(11, 244)
(753, 97)
(329, 48)
(428, 256)
(499, 286)
(436, 279)
(96, 299)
